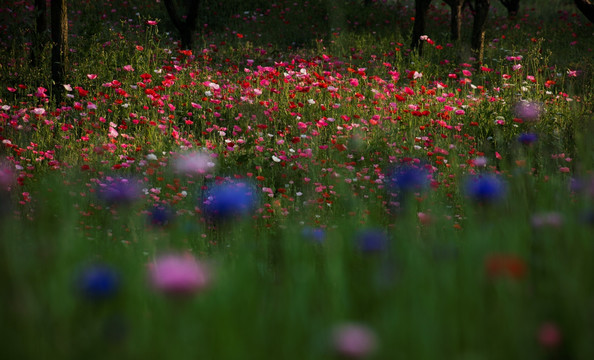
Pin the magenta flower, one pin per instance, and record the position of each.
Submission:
(354, 340)
(179, 274)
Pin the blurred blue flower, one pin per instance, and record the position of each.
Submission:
(528, 138)
(371, 240)
(119, 191)
(316, 235)
(98, 282)
(408, 178)
(230, 199)
(160, 216)
(485, 188)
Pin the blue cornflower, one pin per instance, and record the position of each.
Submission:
(316, 235)
(119, 191)
(408, 178)
(98, 282)
(160, 216)
(528, 138)
(485, 188)
(371, 240)
(229, 199)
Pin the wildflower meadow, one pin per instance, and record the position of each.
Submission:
(299, 184)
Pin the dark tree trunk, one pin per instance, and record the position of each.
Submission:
(456, 18)
(59, 27)
(187, 26)
(481, 11)
(587, 8)
(421, 7)
(40, 31)
(512, 6)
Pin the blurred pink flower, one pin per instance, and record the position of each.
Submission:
(549, 335)
(6, 176)
(552, 219)
(179, 274)
(527, 110)
(199, 163)
(354, 340)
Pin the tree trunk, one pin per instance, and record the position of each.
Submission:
(421, 7)
(481, 8)
(185, 27)
(587, 8)
(59, 27)
(40, 31)
(512, 6)
(456, 18)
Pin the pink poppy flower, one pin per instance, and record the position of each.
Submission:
(179, 274)
(199, 163)
(354, 340)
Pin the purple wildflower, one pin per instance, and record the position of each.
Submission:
(160, 216)
(528, 110)
(116, 191)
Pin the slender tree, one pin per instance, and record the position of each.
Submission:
(480, 9)
(186, 25)
(587, 8)
(456, 17)
(421, 7)
(477, 42)
(59, 28)
(40, 31)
